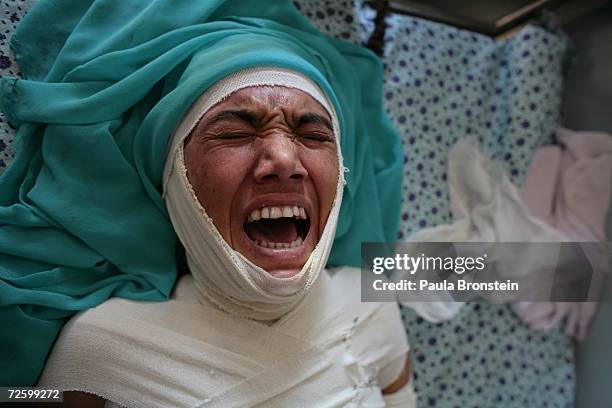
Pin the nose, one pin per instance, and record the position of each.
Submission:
(278, 159)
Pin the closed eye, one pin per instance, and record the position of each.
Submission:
(234, 135)
(319, 137)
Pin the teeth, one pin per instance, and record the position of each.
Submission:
(278, 212)
(281, 245)
(275, 212)
(255, 215)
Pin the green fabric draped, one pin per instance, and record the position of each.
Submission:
(105, 83)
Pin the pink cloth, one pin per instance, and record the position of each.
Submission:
(570, 187)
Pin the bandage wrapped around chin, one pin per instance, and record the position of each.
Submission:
(221, 274)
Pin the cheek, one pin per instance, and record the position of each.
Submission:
(323, 169)
(215, 181)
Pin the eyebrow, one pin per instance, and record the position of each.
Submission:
(313, 118)
(243, 115)
(253, 119)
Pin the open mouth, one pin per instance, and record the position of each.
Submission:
(281, 227)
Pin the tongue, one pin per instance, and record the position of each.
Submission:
(273, 230)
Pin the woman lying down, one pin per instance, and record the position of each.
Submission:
(253, 183)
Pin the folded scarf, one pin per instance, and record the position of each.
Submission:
(105, 83)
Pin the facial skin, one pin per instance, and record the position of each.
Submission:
(265, 147)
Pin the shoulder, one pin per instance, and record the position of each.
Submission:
(346, 280)
(382, 329)
(380, 340)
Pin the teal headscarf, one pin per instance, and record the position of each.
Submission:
(105, 83)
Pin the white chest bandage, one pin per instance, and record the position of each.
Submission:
(330, 351)
(221, 274)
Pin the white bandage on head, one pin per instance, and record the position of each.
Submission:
(221, 274)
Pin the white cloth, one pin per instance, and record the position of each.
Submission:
(486, 207)
(330, 351)
(221, 274)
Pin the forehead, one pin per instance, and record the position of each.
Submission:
(272, 98)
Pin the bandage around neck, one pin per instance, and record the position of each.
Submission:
(222, 275)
